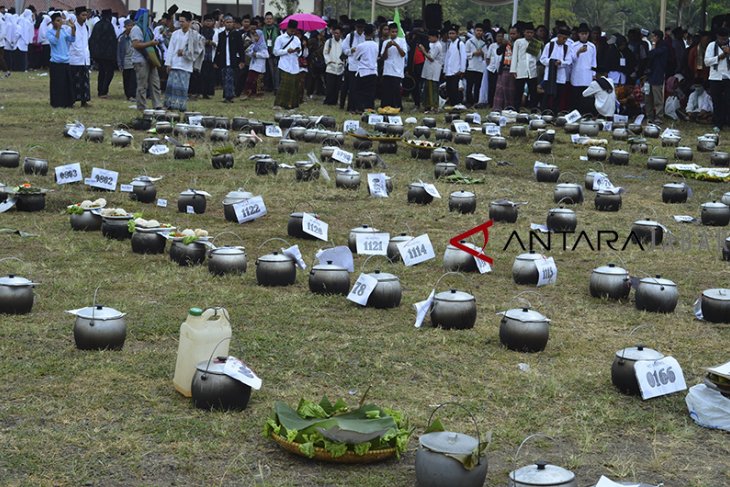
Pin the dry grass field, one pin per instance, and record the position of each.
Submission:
(113, 418)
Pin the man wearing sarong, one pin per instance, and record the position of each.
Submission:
(228, 58)
(432, 68)
(80, 58)
(287, 48)
(182, 51)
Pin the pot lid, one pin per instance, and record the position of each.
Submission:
(462, 194)
(546, 166)
(647, 223)
(445, 165)
(216, 366)
(596, 173)
(383, 276)
(478, 157)
(619, 152)
(275, 257)
(239, 194)
(191, 192)
(229, 251)
(454, 296)
(715, 205)
(304, 164)
(328, 267)
(563, 211)
(526, 315)
(366, 154)
(503, 202)
(568, 186)
(529, 256)
(639, 352)
(14, 281)
(718, 294)
(597, 148)
(658, 280)
(675, 185)
(416, 185)
(611, 270)
(99, 312)
(684, 148)
(141, 182)
(542, 473)
(449, 442)
(296, 214)
(364, 229)
(405, 238)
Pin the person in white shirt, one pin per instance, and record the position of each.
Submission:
(524, 67)
(603, 92)
(717, 58)
(432, 68)
(556, 58)
(494, 62)
(393, 53)
(366, 78)
(24, 39)
(699, 105)
(454, 66)
(258, 53)
(476, 55)
(287, 48)
(334, 66)
(182, 51)
(583, 70)
(349, 44)
(80, 59)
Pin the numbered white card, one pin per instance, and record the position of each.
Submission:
(477, 118)
(416, 250)
(607, 126)
(373, 119)
(195, 119)
(395, 120)
(350, 125)
(339, 256)
(606, 482)
(295, 254)
(76, 130)
(547, 271)
(639, 118)
(69, 173)
(273, 131)
(573, 116)
(238, 370)
(659, 377)
(431, 189)
(362, 289)
(462, 128)
(422, 308)
(342, 156)
(376, 183)
(620, 118)
(372, 243)
(493, 130)
(103, 178)
(250, 209)
(190, 210)
(314, 226)
(601, 182)
(159, 149)
(162, 203)
(126, 188)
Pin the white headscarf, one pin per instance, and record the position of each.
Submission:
(25, 26)
(11, 31)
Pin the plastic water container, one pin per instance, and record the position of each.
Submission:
(202, 334)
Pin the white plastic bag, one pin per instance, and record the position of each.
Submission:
(708, 408)
(671, 106)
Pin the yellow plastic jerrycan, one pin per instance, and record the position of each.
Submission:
(201, 334)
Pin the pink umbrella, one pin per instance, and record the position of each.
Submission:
(307, 22)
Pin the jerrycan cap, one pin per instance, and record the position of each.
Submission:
(195, 311)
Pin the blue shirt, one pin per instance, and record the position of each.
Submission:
(59, 46)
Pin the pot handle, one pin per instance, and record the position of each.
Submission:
(603, 169)
(12, 258)
(519, 296)
(517, 453)
(362, 267)
(229, 233)
(452, 273)
(645, 325)
(207, 366)
(566, 172)
(275, 238)
(563, 199)
(464, 408)
(653, 149)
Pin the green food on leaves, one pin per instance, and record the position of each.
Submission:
(460, 178)
(337, 429)
(75, 210)
(226, 149)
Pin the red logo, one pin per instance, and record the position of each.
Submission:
(479, 254)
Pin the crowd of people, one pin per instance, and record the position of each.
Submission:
(353, 64)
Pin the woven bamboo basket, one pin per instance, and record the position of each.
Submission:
(321, 454)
